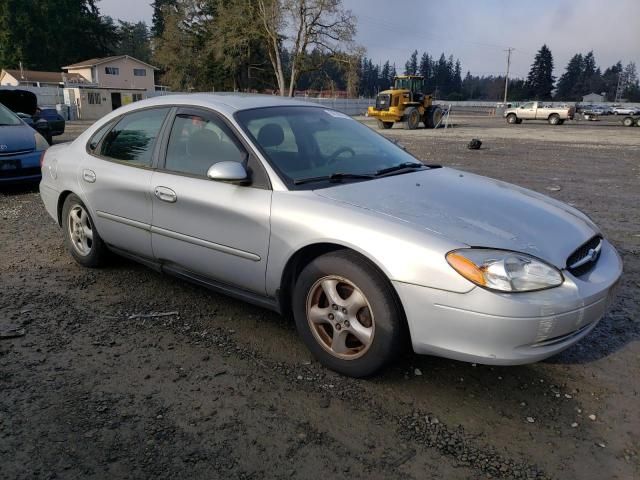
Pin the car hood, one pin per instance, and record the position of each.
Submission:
(16, 138)
(474, 210)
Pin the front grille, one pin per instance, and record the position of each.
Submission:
(383, 101)
(585, 257)
(20, 172)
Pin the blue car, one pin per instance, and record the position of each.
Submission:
(21, 149)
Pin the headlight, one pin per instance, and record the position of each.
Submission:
(503, 270)
(41, 143)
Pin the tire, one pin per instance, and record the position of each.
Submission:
(379, 319)
(433, 116)
(412, 121)
(628, 122)
(638, 122)
(384, 125)
(561, 122)
(518, 121)
(512, 119)
(88, 250)
(554, 119)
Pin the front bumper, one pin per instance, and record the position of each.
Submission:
(509, 329)
(20, 168)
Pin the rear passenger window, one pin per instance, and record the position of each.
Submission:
(97, 137)
(197, 143)
(133, 137)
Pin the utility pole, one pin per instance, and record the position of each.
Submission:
(506, 80)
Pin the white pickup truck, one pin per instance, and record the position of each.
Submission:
(537, 111)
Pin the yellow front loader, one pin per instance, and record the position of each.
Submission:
(407, 103)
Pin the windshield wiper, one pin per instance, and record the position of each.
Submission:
(400, 168)
(334, 177)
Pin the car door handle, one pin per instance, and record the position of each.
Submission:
(165, 194)
(89, 176)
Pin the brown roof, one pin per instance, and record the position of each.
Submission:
(45, 77)
(97, 61)
(33, 76)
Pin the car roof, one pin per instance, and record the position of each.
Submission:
(224, 102)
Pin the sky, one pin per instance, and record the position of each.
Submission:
(479, 31)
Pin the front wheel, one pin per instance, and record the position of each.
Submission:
(412, 119)
(628, 122)
(384, 125)
(512, 119)
(80, 235)
(347, 315)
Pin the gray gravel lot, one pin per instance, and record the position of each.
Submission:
(221, 389)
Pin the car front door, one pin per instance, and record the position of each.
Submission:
(528, 111)
(207, 228)
(115, 175)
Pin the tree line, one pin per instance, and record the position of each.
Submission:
(280, 46)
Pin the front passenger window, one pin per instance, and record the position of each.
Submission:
(196, 143)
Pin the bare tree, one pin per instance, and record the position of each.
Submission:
(306, 24)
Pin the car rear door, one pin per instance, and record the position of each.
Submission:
(202, 227)
(115, 176)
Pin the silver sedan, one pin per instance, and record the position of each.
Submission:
(303, 210)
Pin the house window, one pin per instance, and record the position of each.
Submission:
(112, 70)
(136, 97)
(94, 98)
(139, 72)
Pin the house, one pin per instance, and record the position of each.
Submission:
(110, 82)
(32, 78)
(593, 98)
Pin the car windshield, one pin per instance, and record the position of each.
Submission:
(7, 117)
(312, 143)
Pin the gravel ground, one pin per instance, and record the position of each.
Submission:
(101, 387)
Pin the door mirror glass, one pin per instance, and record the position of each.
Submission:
(233, 172)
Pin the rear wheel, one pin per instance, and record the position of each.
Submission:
(384, 125)
(512, 119)
(433, 117)
(554, 119)
(628, 122)
(346, 313)
(412, 118)
(80, 235)
(638, 122)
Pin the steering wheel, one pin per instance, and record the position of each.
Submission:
(334, 156)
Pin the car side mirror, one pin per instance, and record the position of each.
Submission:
(232, 172)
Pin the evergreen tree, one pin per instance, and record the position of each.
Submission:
(569, 82)
(610, 79)
(49, 34)
(411, 67)
(540, 79)
(425, 68)
(160, 10)
(441, 77)
(134, 40)
(385, 76)
(632, 87)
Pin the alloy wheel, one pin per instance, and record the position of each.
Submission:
(340, 317)
(80, 230)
